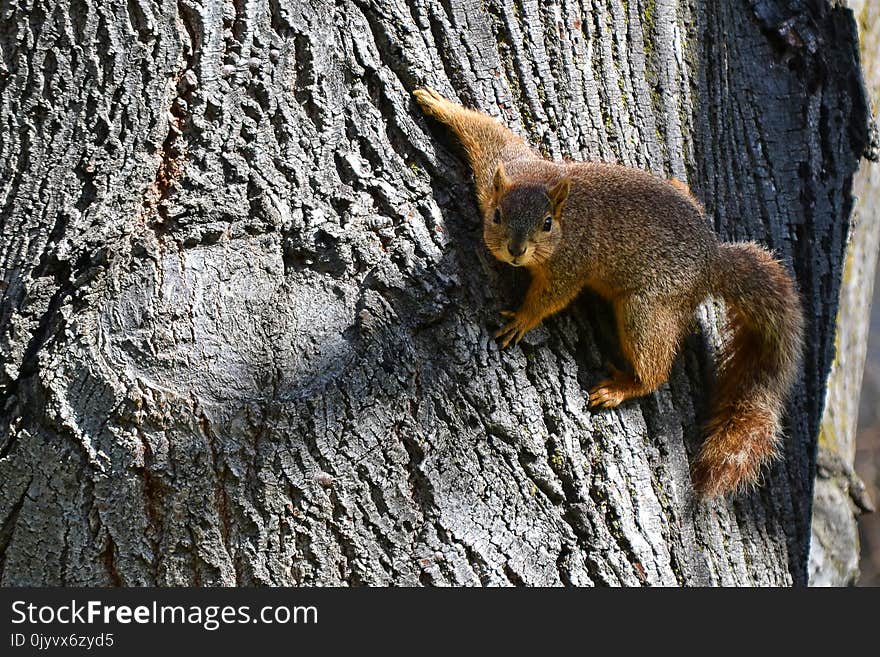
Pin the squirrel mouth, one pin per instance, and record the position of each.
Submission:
(514, 261)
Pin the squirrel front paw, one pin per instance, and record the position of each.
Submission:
(515, 329)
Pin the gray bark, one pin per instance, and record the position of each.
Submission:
(839, 494)
(247, 314)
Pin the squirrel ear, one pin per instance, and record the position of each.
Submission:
(559, 192)
(500, 181)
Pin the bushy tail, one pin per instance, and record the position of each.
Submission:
(757, 367)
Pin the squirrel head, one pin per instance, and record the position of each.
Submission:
(523, 226)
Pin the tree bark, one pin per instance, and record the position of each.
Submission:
(840, 495)
(247, 316)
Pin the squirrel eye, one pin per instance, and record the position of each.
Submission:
(548, 223)
(497, 217)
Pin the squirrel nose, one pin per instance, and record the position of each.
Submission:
(516, 248)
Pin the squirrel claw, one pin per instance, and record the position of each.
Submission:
(616, 389)
(513, 331)
(509, 331)
(605, 395)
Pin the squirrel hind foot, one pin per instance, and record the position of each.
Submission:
(613, 391)
(606, 394)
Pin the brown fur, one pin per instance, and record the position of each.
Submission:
(643, 243)
(684, 189)
(757, 367)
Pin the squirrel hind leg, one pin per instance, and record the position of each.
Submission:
(650, 332)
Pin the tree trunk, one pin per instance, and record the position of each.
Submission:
(840, 494)
(247, 317)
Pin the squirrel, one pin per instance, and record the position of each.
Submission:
(644, 244)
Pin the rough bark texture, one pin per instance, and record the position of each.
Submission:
(839, 494)
(247, 314)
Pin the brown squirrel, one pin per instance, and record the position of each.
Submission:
(643, 243)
